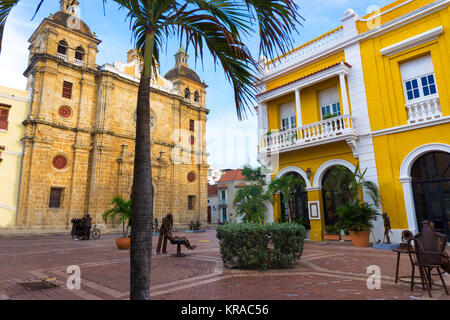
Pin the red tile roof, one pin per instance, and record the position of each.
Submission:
(212, 190)
(304, 77)
(232, 175)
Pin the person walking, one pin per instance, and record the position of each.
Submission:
(165, 233)
(88, 225)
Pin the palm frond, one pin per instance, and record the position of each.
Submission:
(5, 9)
(277, 21)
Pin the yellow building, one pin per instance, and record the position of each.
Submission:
(79, 134)
(14, 107)
(373, 92)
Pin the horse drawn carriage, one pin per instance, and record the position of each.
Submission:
(81, 229)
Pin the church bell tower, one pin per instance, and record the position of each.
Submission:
(69, 7)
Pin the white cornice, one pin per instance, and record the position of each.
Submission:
(9, 96)
(7, 207)
(411, 127)
(412, 42)
(385, 12)
(307, 81)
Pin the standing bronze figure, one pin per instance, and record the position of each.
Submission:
(165, 233)
(387, 228)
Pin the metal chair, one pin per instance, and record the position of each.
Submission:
(425, 251)
(403, 248)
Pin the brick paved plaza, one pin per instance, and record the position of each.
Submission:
(325, 271)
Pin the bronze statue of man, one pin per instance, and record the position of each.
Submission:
(387, 228)
(165, 233)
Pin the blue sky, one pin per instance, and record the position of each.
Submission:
(231, 143)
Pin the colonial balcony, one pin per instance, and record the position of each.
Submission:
(424, 110)
(61, 56)
(79, 63)
(340, 128)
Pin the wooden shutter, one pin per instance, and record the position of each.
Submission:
(191, 202)
(4, 113)
(67, 90)
(55, 198)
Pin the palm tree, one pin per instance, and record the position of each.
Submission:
(286, 185)
(121, 209)
(217, 26)
(350, 185)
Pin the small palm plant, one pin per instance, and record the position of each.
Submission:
(355, 215)
(286, 186)
(350, 185)
(121, 210)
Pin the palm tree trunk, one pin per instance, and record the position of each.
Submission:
(142, 212)
(289, 210)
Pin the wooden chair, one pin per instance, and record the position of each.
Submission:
(425, 251)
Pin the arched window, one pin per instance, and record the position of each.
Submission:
(196, 96)
(298, 204)
(335, 192)
(62, 48)
(431, 189)
(187, 93)
(79, 54)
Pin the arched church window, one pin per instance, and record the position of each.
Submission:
(187, 93)
(79, 54)
(62, 48)
(196, 96)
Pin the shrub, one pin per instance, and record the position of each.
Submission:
(250, 246)
(356, 217)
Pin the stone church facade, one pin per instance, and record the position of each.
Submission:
(80, 131)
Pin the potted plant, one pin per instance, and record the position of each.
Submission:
(332, 233)
(346, 235)
(355, 215)
(357, 219)
(121, 211)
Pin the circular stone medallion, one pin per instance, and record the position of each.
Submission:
(65, 112)
(59, 162)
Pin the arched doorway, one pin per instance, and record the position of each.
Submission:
(333, 195)
(431, 189)
(298, 203)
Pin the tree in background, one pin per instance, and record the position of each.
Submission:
(285, 185)
(249, 200)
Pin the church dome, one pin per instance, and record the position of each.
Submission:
(182, 71)
(66, 20)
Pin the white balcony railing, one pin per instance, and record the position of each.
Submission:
(79, 62)
(61, 56)
(303, 52)
(319, 132)
(424, 110)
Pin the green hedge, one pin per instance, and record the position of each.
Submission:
(250, 246)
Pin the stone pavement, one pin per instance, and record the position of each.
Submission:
(325, 272)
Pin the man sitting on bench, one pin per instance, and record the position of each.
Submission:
(165, 233)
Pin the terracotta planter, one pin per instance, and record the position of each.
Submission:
(123, 243)
(360, 239)
(346, 238)
(331, 237)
